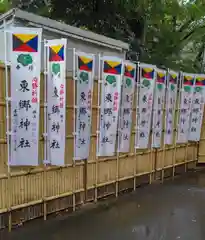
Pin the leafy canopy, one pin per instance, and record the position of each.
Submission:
(168, 33)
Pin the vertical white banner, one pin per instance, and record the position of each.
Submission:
(144, 104)
(197, 108)
(110, 101)
(85, 80)
(25, 95)
(187, 89)
(171, 98)
(127, 96)
(56, 97)
(159, 98)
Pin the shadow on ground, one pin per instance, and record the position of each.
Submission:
(174, 210)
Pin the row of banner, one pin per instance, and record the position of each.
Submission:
(155, 90)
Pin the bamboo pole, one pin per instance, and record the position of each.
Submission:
(197, 153)
(152, 150)
(163, 161)
(93, 86)
(174, 154)
(85, 170)
(118, 152)
(135, 170)
(151, 165)
(137, 77)
(8, 133)
(201, 139)
(117, 167)
(119, 133)
(74, 127)
(45, 135)
(137, 109)
(164, 125)
(185, 157)
(98, 126)
(187, 144)
(137, 113)
(175, 148)
(155, 163)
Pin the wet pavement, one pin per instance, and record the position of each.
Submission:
(174, 210)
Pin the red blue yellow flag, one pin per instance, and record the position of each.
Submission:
(200, 81)
(56, 53)
(160, 77)
(85, 63)
(188, 80)
(129, 71)
(25, 42)
(112, 67)
(148, 73)
(173, 78)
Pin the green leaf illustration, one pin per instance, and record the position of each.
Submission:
(84, 76)
(198, 89)
(111, 79)
(146, 83)
(128, 82)
(172, 87)
(25, 59)
(187, 89)
(56, 68)
(160, 87)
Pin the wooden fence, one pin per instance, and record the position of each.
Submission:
(27, 193)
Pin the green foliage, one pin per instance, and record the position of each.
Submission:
(168, 33)
(4, 6)
(171, 31)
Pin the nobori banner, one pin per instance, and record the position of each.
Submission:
(110, 104)
(171, 98)
(127, 96)
(159, 99)
(197, 110)
(56, 100)
(25, 93)
(145, 95)
(186, 94)
(85, 80)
